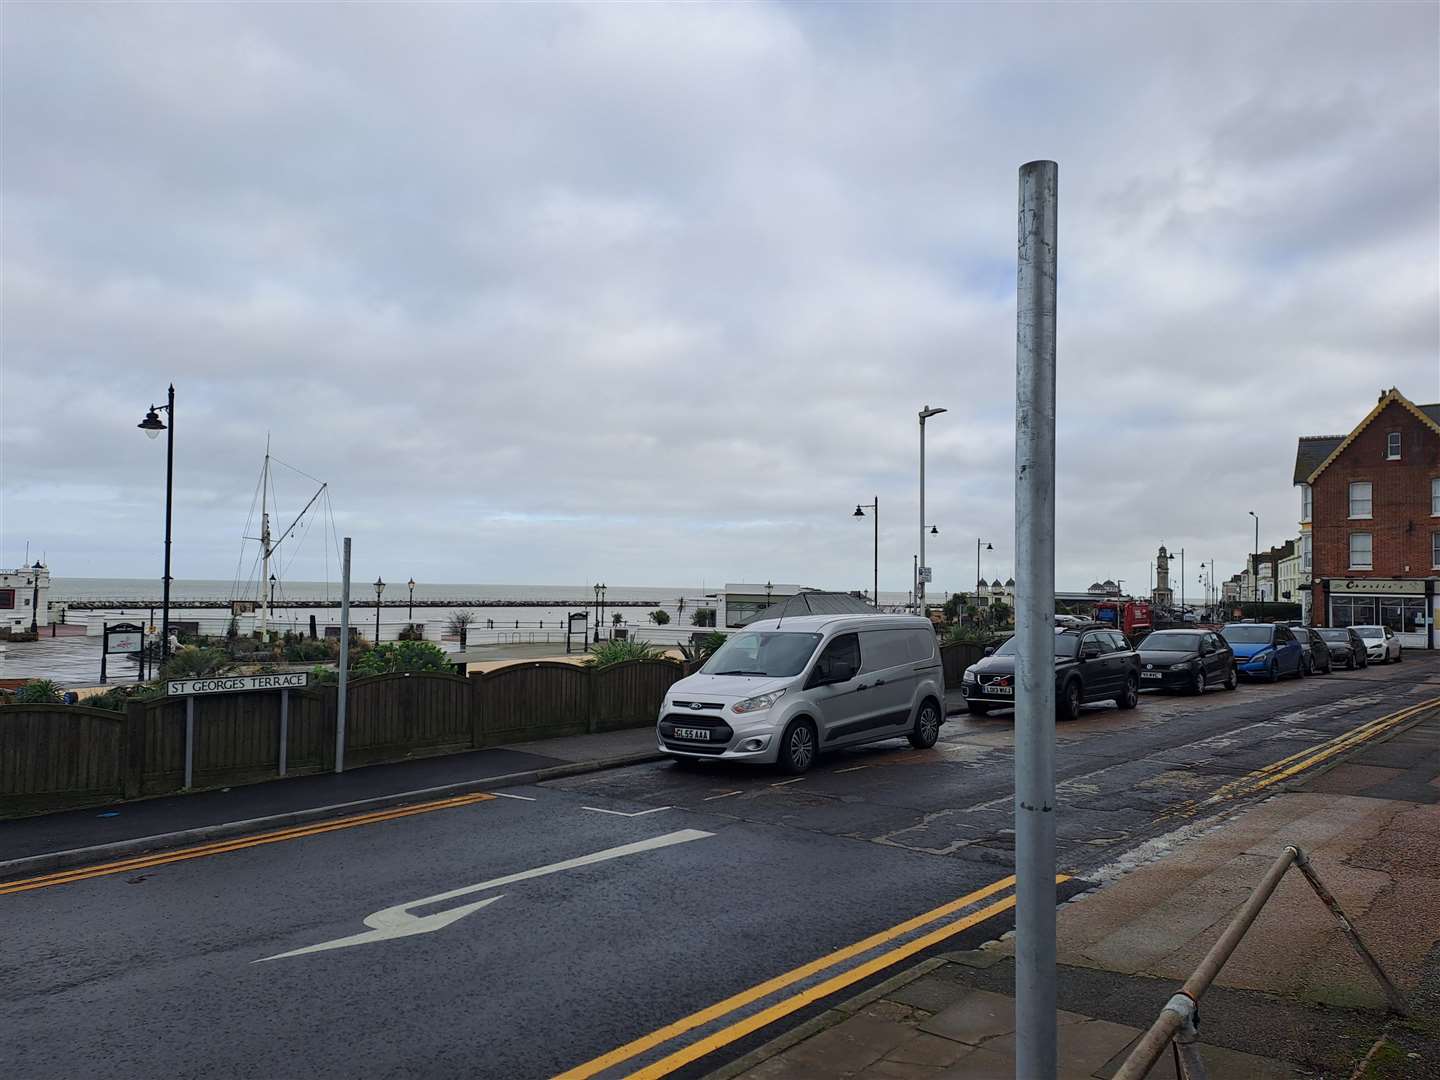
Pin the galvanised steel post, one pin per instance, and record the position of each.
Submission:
(1035, 1052)
(344, 659)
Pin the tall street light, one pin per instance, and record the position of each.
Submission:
(152, 425)
(35, 599)
(988, 547)
(272, 592)
(1255, 567)
(860, 513)
(925, 414)
(603, 589)
(379, 588)
(410, 611)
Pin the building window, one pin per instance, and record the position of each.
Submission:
(1305, 550)
(1305, 502)
(7, 599)
(1360, 499)
(1392, 446)
(1435, 497)
(1435, 550)
(1361, 554)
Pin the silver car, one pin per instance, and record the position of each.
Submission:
(784, 690)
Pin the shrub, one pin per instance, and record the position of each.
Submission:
(660, 617)
(615, 652)
(412, 632)
(702, 616)
(193, 662)
(970, 635)
(703, 648)
(303, 649)
(395, 656)
(38, 691)
(324, 676)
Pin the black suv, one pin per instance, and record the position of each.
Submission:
(1092, 663)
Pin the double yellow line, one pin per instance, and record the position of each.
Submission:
(220, 847)
(1308, 758)
(738, 1030)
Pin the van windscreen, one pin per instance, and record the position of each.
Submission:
(762, 653)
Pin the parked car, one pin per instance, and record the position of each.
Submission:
(1091, 664)
(1345, 646)
(1317, 653)
(782, 691)
(1187, 660)
(1264, 650)
(1381, 644)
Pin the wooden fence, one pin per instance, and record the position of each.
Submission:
(957, 657)
(57, 756)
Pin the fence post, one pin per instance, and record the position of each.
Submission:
(476, 680)
(284, 728)
(189, 740)
(133, 763)
(592, 720)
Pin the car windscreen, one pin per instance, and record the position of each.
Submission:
(1334, 635)
(1065, 645)
(1171, 643)
(761, 653)
(1240, 634)
(1369, 632)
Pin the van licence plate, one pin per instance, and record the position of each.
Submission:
(702, 734)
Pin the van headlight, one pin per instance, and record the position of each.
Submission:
(758, 703)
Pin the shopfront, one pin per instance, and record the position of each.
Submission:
(1407, 606)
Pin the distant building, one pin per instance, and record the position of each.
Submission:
(1370, 520)
(1231, 591)
(995, 592)
(1162, 596)
(24, 596)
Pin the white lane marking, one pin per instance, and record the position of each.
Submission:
(726, 795)
(502, 795)
(396, 921)
(621, 813)
(792, 780)
(852, 768)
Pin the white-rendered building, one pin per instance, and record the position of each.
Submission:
(24, 596)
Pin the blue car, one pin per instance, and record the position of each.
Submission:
(1265, 650)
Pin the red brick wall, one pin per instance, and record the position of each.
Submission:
(1400, 494)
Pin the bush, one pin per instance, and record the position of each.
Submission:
(970, 635)
(660, 617)
(616, 652)
(116, 698)
(303, 649)
(412, 632)
(37, 692)
(703, 616)
(324, 676)
(193, 662)
(396, 656)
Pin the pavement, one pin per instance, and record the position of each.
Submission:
(1294, 1000)
(656, 920)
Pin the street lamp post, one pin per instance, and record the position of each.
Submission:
(152, 425)
(925, 414)
(769, 588)
(272, 592)
(860, 513)
(379, 588)
(35, 600)
(410, 610)
(988, 547)
(1255, 568)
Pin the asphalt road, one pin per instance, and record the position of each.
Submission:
(527, 934)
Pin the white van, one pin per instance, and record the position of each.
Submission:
(784, 690)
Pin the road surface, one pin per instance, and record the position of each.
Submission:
(643, 922)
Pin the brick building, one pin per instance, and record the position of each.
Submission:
(1370, 520)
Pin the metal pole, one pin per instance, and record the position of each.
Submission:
(284, 728)
(377, 620)
(1035, 1045)
(920, 585)
(189, 740)
(169, 492)
(876, 585)
(1182, 579)
(344, 660)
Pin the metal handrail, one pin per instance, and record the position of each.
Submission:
(1178, 1022)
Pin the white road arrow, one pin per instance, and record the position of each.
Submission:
(394, 922)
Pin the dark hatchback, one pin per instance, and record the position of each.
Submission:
(1188, 660)
(1091, 664)
(1345, 645)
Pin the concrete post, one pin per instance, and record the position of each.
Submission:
(1035, 1050)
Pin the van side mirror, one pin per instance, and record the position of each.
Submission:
(989, 650)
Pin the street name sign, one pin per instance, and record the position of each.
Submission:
(229, 684)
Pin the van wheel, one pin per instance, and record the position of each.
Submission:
(977, 708)
(1068, 705)
(1130, 696)
(927, 727)
(797, 748)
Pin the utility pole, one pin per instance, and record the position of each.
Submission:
(1035, 1040)
(344, 660)
(1182, 579)
(925, 414)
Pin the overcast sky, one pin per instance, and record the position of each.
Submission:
(652, 295)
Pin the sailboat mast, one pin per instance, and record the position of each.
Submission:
(265, 544)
